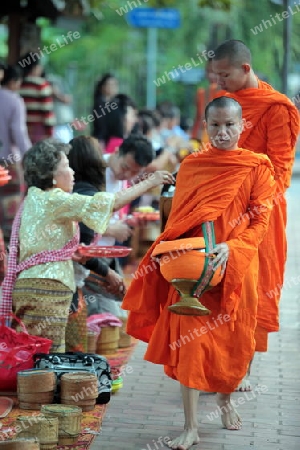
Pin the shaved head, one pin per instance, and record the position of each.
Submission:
(235, 51)
(224, 102)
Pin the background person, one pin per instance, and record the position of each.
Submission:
(37, 93)
(105, 90)
(119, 122)
(104, 285)
(203, 97)
(63, 110)
(14, 142)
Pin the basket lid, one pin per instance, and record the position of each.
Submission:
(61, 409)
(33, 372)
(78, 377)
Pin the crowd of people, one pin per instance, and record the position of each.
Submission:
(245, 134)
(125, 153)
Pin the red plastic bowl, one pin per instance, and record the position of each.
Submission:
(98, 251)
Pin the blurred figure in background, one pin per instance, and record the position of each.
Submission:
(203, 97)
(148, 125)
(170, 124)
(63, 109)
(38, 96)
(119, 121)
(105, 90)
(174, 137)
(2, 67)
(98, 284)
(14, 143)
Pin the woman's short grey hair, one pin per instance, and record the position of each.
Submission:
(41, 161)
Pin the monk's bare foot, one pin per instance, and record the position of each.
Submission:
(188, 438)
(229, 416)
(245, 385)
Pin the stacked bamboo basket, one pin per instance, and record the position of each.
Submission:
(57, 424)
(35, 388)
(45, 429)
(108, 340)
(20, 444)
(69, 421)
(80, 389)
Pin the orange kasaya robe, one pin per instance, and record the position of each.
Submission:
(272, 128)
(203, 96)
(212, 352)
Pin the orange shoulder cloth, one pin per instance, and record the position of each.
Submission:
(255, 103)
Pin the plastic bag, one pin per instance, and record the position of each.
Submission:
(16, 353)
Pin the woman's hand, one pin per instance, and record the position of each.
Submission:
(77, 257)
(222, 254)
(120, 230)
(161, 177)
(114, 283)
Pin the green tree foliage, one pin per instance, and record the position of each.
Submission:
(222, 5)
(110, 44)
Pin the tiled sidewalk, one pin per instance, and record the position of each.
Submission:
(149, 405)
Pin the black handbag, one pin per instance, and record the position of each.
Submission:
(69, 362)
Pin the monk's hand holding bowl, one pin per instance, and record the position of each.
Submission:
(222, 253)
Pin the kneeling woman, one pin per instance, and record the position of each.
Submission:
(40, 277)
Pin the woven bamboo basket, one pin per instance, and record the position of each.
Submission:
(108, 340)
(92, 338)
(35, 388)
(36, 380)
(44, 398)
(20, 444)
(125, 339)
(80, 389)
(85, 405)
(69, 421)
(30, 406)
(45, 429)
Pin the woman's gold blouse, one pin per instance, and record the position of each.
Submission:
(48, 223)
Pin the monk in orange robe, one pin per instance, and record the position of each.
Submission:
(204, 352)
(271, 126)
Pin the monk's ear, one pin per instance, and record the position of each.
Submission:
(205, 124)
(246, 67)
(243, 124)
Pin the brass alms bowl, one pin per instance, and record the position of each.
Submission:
(186, 265)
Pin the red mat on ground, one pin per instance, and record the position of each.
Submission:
(90, 426)
(91, 421)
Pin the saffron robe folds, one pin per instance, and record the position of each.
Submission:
(272, 128)
(235, 190)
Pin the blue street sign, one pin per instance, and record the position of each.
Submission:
(154, 18)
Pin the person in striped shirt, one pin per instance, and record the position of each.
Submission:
(38, 97)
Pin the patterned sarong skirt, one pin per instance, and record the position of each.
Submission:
(43, 306)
